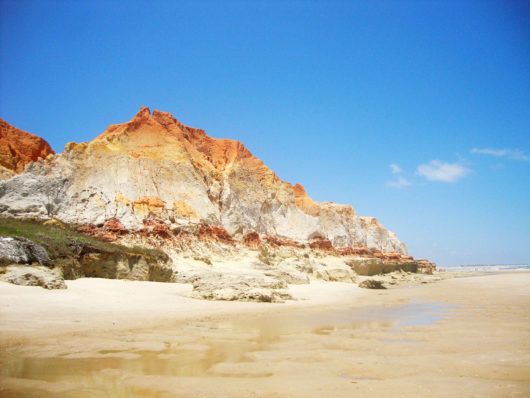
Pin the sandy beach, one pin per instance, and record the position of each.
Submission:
(462, 337)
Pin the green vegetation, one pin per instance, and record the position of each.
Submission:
(266, 256)
(61, 240)
(204, 259)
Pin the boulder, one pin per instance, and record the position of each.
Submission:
(335, 274)
(213, 286)
(372, 284)
(20, 250)
(289, 276)
(34, 276)
(340, 275)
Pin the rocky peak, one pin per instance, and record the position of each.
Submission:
(143, 113)
(162, 128)
(166, 119)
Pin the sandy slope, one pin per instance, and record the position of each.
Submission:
(460, 337)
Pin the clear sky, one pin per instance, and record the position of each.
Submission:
(416, 112)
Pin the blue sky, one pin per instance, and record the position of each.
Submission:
(416, 112)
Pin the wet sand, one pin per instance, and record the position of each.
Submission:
(464, 337)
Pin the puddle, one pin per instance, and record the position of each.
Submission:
(208, 348)
(424, 314)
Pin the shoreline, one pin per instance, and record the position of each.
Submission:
(464, 336)
(114, 304)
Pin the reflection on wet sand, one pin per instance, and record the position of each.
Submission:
(209, 348)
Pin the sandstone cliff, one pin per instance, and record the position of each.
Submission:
(18, 148)
(155, 168)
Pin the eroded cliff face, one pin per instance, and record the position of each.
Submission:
(18, 148)
(155, 168)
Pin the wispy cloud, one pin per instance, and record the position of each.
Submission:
(515, 154)
(400, 183)
(395, 168)
(440, 171)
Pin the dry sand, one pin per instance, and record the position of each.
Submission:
(464, 337)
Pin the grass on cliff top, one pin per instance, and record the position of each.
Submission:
(57, 239)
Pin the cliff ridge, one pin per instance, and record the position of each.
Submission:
(154, 167)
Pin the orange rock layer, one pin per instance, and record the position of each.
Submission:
(215, 154)
(18, 148)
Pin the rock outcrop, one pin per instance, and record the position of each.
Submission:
(19, 148)
(375, 266)
(218, 266)
(96, 263)
(155, 169)
(85, 261)
(57, 251)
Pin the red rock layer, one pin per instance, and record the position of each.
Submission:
(18, 148)
(210, 232)
(321, 244)
(274, 241)
(155, 227)
(109, 232)
(159, 235)
(252, 240)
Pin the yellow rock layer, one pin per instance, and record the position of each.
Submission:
(183, 209)
(148, 203)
